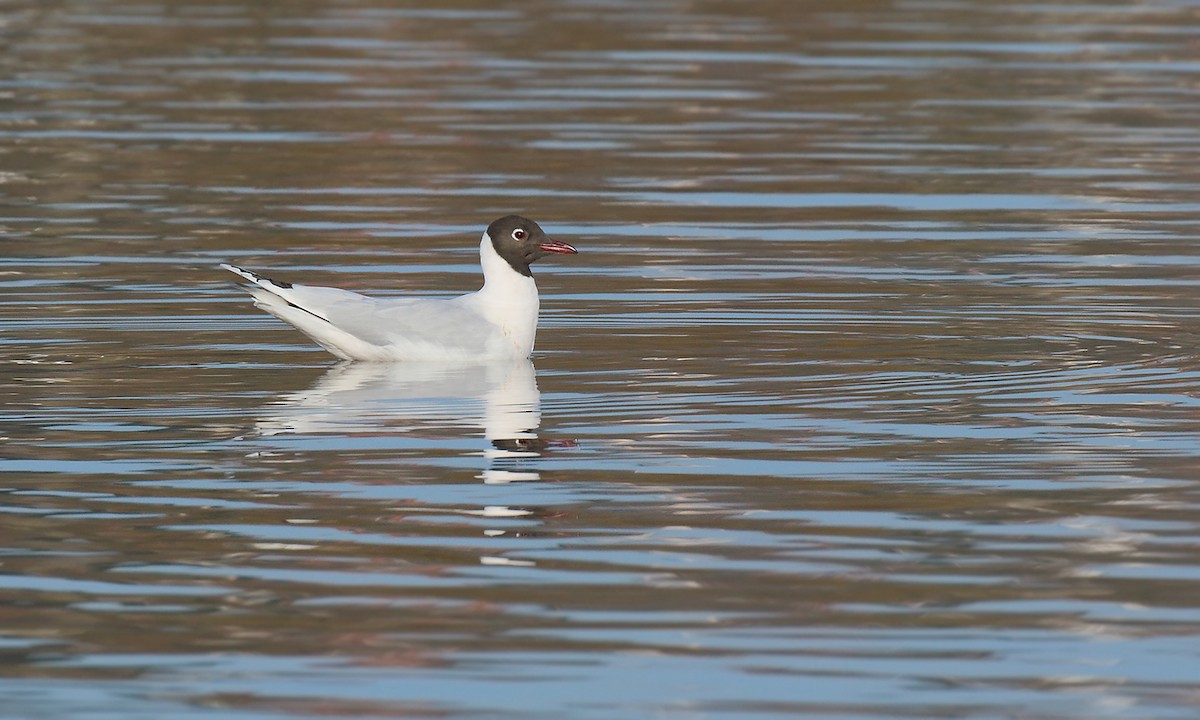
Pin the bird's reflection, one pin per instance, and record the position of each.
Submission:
(502, 398)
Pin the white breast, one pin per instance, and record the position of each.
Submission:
(508, 299)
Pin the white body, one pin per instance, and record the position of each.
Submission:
(498, 321)
(508, 299)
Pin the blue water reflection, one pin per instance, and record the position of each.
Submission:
(874, 395)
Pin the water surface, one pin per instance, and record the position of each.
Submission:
(872, 393)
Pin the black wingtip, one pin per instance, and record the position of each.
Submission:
(255, 277)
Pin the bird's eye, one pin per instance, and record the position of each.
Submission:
(518, 234)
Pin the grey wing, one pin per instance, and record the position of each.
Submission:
(358, 327)
(419, 326)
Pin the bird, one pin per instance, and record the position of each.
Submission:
(497, 321)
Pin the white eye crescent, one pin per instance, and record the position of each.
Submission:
(519, 234)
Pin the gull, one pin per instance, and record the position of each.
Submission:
(497, 321)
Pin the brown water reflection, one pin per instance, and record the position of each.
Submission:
(872, 395)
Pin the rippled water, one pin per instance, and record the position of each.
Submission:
(872, 394)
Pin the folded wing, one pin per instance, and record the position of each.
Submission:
(356, 327)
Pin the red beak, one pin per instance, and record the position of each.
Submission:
(556, 246)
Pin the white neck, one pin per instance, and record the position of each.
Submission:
(508, 299)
